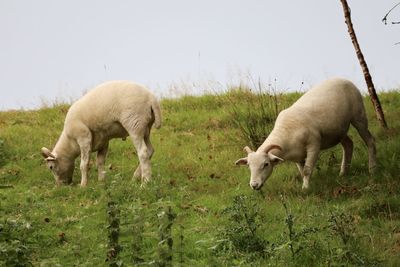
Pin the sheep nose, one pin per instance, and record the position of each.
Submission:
(255, 185)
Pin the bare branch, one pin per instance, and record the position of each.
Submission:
(367, 75)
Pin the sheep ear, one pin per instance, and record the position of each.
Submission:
(274, 159)
(46, 153)
(242, 161)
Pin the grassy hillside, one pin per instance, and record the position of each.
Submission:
(199, 209)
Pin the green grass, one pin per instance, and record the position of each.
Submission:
(195, 175)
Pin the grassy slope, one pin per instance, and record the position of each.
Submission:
(194, 173)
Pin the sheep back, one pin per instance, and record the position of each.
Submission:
(112, 104)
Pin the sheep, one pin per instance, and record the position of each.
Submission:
(318, 120)
(114, 109)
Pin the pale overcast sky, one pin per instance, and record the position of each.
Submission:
(57, 49)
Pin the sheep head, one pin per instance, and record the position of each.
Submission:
(261, 164)
(61, 167)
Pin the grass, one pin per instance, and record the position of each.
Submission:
(192, 200)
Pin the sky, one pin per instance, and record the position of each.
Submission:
(55, 50)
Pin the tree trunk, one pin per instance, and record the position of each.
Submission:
(364, 67)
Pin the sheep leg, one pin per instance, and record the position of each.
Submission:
(347, 145)
(138, 171)
(101, 159)
(311, 159)
(144, 157)
(148, 143)
(85, 145)
(362, 127)
(300, 166)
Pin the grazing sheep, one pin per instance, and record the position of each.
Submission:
(318, 120)
(113, 109)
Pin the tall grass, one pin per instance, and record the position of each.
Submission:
(253, 112)
(254, 108)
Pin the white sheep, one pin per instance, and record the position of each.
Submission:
(318, 120)
(113, 109)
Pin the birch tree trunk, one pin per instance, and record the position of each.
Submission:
(368, 79)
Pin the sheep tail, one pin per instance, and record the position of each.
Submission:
(155, 107)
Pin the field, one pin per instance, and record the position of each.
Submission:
(199, 209)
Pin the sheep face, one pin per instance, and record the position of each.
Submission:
(62, 168)
(261, 165)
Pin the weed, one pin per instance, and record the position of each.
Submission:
(181, 245)
(294, 241)
(137, 236)
(15, 243)
(113, 234)
(241, 234)
(166, 219)
(342, 225)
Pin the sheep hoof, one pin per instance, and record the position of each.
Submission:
(138, 173)
(372, 170)
(305, 186)
(102, 176)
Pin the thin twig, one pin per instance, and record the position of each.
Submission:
(384, 20)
